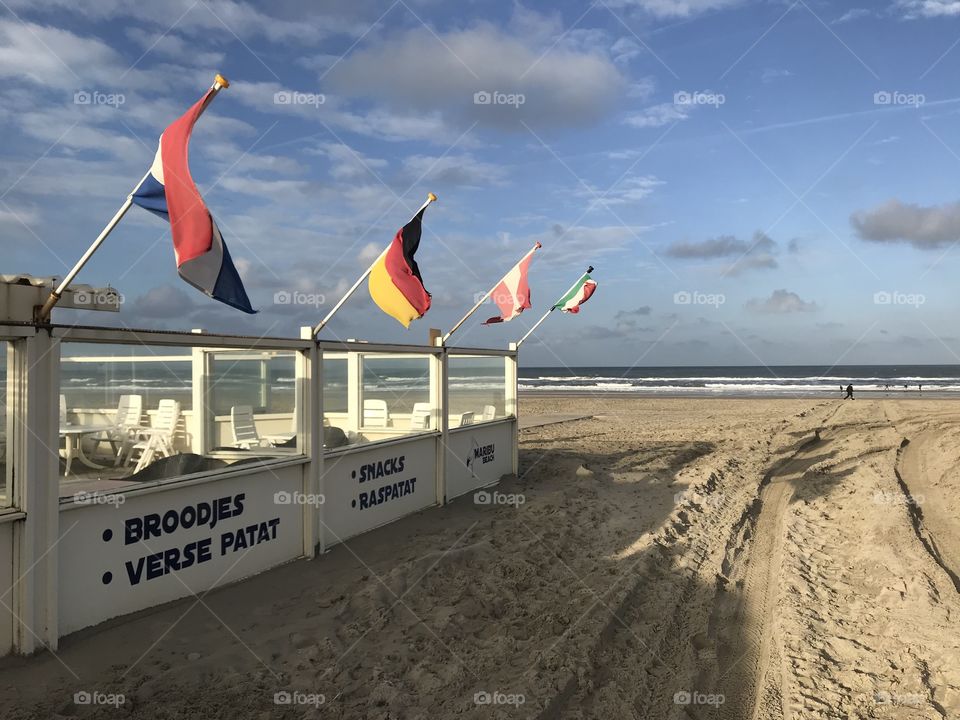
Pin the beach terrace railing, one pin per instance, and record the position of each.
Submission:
(181, 461)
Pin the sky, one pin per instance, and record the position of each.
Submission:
(756, 182)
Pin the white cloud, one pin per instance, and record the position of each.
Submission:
(658, 115)
(55, 58)
(853, 14)
(72, 130)
(759, 253)
(675, 8)
(781, 302)
(379, 123)
(567, 244)
(279, 190)
(417, 73)
(929, 8)
(387, 125)
(770, 74)
(349, 164)
(171, 45)
(642, 88)
(630, 190)
(463, 169)
(923, 227)
(20, 216)
(370, 252)
(625, 49)
(164, 302)
(211, 17)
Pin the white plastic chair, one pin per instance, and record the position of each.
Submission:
(245, 433)
(489, 413)
(375, 414)
(420, 417)
(157, 440)
(127, 419)
(466, 419)
(63, 421)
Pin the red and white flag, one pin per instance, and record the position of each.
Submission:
(168, 190)
(512, 294)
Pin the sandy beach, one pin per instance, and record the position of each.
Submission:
(663, 558)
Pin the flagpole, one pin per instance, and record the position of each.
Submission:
(456, 327)
(316, 331)
(43, 314)
(553, 307)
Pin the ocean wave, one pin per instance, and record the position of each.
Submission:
(758, 379)
(731, 388)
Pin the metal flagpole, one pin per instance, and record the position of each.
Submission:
(553, 307)
(43, 314)
(316, 331)
(484, 298)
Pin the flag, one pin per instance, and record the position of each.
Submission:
(512, 294)
(578, 295)
(169, 192)
(395, 283)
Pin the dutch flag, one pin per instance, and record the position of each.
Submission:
(168, 191)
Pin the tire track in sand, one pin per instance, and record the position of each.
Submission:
(918, 468)
(744, 616)
(934, 534)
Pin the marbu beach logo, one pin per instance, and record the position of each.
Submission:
(479, 455)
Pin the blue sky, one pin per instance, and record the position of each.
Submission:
(755, 181)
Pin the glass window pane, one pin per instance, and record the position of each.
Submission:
(334, 385)
(125, 416)
(127, 413)
(337, 430)
(476, 388)
(252, 395)
(5, 424)
(395, 397)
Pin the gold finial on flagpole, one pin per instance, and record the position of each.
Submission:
(431, 197)
(221, 81)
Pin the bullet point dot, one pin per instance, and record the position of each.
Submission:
(107, 578)
(107, 535)
(353, 503)
(353, 474)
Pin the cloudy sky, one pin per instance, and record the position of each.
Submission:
(755, 181)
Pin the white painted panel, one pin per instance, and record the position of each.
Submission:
(111, 564)
(373, 486)
(6, 583)
(479, 456)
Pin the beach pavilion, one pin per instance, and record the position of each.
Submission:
(138, 467)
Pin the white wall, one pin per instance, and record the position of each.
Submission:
(373, 485)
(479, 455)
(105, 572)
(6, 585)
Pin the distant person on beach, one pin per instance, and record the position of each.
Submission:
(849, 393)
(920, 387)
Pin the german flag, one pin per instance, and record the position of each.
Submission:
(395, 282)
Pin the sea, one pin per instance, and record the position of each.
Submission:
(746, 381)
(399, 381)
(402, 383)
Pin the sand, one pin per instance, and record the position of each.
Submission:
(682, 558)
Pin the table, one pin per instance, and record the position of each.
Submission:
(74, 435)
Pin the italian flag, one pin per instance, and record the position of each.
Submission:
(577, 296)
